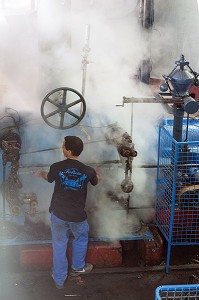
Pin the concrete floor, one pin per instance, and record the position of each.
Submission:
(101, 284)
(128, 282)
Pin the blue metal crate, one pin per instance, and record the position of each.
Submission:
(180, 292)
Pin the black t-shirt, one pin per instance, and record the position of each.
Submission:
(71, 178)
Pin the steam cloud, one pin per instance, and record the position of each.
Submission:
(43, 50)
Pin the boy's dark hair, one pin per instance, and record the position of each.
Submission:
(74, 144)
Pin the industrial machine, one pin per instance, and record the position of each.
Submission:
(112, 148)
(10, 144)
(176, 208)
(178, 189)
(21, 196)
(28, 146)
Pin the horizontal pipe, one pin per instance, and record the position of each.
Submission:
(113, 162)
(91, 163)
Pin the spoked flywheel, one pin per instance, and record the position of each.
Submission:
(63, 108)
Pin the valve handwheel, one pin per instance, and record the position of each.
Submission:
(63, 108)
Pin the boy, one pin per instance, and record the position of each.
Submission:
(67, 210)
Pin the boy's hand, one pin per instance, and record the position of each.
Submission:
(41, 173)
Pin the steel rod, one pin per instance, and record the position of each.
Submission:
(4, 193)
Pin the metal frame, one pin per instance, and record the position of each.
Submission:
(177, 205)
(180, 292)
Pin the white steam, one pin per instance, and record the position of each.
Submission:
(43, 50)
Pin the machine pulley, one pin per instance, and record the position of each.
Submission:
(63, 108)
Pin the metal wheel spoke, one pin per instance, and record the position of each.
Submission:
(73, 114)
(52, 113)
(52, 102)
(74, 103)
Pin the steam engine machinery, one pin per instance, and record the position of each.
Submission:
(176, 209)
(177, 99)
(10, 143)
(64, 108)
(179, 83)
(125, 147)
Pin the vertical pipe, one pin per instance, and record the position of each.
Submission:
(4, 192)
(86, 50)
(178, 122)
(85, 62)
(132, 120)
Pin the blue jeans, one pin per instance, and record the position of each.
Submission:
(60, 235)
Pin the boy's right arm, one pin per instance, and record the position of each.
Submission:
(42, 174)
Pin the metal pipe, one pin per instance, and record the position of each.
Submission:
(178, 123)
(43, 150)
(4, 192)
(85, 61)
(113, 162)
(131, 119)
